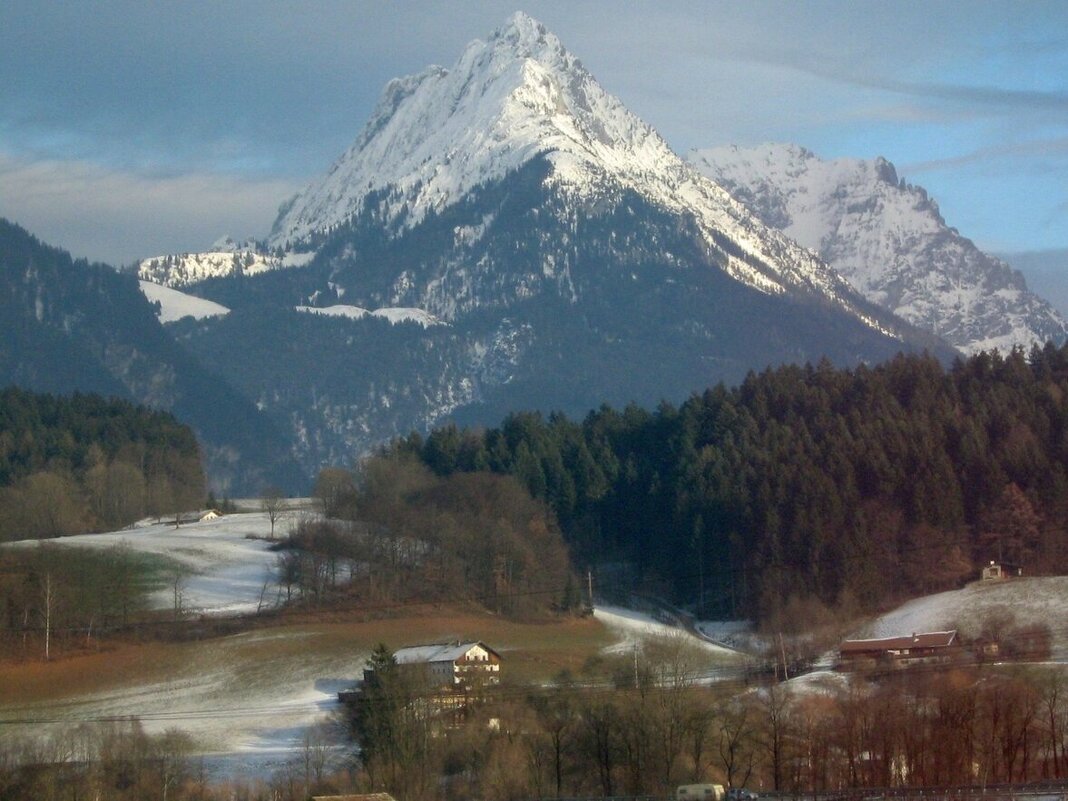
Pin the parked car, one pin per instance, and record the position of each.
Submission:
(699, 792)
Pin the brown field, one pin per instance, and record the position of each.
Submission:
(258, 691)
(532, 651)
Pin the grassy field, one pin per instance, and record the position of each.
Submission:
(260, 689)
(253, 695)
(532, 651)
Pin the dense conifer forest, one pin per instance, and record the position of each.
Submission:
(804, 485)
(70, 464)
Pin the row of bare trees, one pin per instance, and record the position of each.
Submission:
(395, 532)
(646, 726)
(54, 597)
(120, 760)
(116, 760)
(963, 727)
(55, 503)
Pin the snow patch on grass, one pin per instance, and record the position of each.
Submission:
(231, 569)
(1029, 600)
(634, 628)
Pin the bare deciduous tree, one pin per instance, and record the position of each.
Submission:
(273, 504)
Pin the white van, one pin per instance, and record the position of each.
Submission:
(699, 792)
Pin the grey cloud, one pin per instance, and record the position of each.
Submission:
(1058, 147)
(1006, 99)
(118, 216)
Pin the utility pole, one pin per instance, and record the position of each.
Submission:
(48, 614)
(782, 650)
(589, 586)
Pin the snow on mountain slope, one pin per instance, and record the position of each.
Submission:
(393, 314)
(188, 268)
(174, 305)
(520, 95)
(889, 241)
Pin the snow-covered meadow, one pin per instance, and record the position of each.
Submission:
(252, 701)
(228, 565)
(1027, 600)
(174, 305)
(249, 700)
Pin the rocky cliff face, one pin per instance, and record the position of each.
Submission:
(889, 241)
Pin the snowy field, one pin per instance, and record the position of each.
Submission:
(1028, 600)
(249, 700)
(230, 567)
(393, 314)
(635, 628)
(174, 305)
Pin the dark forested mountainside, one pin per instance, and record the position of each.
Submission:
(74, 464)
(68, 326)
(808, 483)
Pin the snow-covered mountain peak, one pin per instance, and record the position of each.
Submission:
(526, 37)
(436, 135)
(889, 240)
(521, 95)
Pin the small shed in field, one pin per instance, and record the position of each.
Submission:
(999, 571)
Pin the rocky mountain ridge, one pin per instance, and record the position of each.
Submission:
(518, 97)
(889, 240)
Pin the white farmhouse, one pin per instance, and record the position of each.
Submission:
(454, 663)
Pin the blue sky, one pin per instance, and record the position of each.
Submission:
(130, 129)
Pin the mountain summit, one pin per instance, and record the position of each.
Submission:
(889, 240)
(518, 96)
(436, 135)
(564, 254)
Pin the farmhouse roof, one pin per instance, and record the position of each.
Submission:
(930, 639)
(440, 652)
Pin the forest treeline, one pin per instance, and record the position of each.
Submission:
(805, 484)
(71, 464)
(55, 600)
